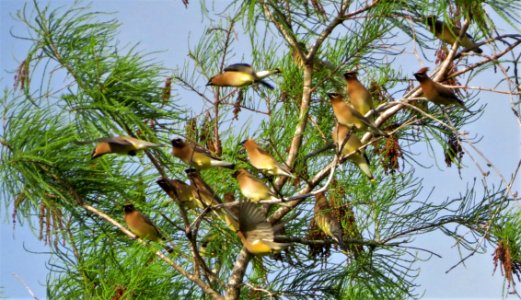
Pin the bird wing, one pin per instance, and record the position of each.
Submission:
(241, 67)
(204, 151)
(252, 218)
(119, 140)
(447, 92)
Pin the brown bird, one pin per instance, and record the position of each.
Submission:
(253, 188)
(209, 198)
(348, 116)
(256, 234)
(351, 148)
(262, 160)
(449, 33)
(239, 75)
(436, 92)
(180, 192)
(358, 95)
(196, 156)
(327, 221)
(120, 145)
(140, 225)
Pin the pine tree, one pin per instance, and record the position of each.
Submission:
(77, 85)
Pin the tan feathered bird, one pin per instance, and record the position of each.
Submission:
(436, 92)
(239, 75)
(209, 198)
(263, 161)
(140, 225)
(347, 115)
(180, 192)
(358, 95)
(449, 33)
(327, 221)
(351, 148)
(196, 156)
(256, 234)
(120, 145)
(253, 188)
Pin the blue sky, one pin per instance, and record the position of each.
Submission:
(167, 26)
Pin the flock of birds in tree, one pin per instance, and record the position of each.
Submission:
(248, 219)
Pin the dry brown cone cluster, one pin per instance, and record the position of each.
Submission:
(167, 90)
(390, 155)
(317, 250)
(509, 267)
(346, 217)
(119, 292)
(237, 105)
(21, 79)
(453, 152)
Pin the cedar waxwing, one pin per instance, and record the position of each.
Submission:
(181, 192)
(208, 197)
(253, 188)
(449, 33)
(327, 221)
(256, 234)
(348, 116)
(196, 156)
(436, 92)
(358, 95)
(121, 145)
(262, 160)
(351, 148)
(238, 75)
(140, 225)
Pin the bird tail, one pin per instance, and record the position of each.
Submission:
(153, 145)
(222, 163)
(363, 164)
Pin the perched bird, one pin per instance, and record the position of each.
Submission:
(180, 192)
(436, 92)
(449, 33)
(203, 191)
(347, 115)
(239, 75)
(120, 145)
(327, 221)
(358, 95)
(140, 225)
(256, 234)
(351, 148)
(253, 188)
(196, 156)
(262, 160)
(209, 198)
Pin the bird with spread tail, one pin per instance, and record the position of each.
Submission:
(436, 92)
(119, 145)
(351, 148)
(347, 115)
(327, 221)
(181, 192)
(255, 232)
(239, 75)
(449, 34)
(263, 161)
(196, 156)
(358, 95)
(253, 188)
